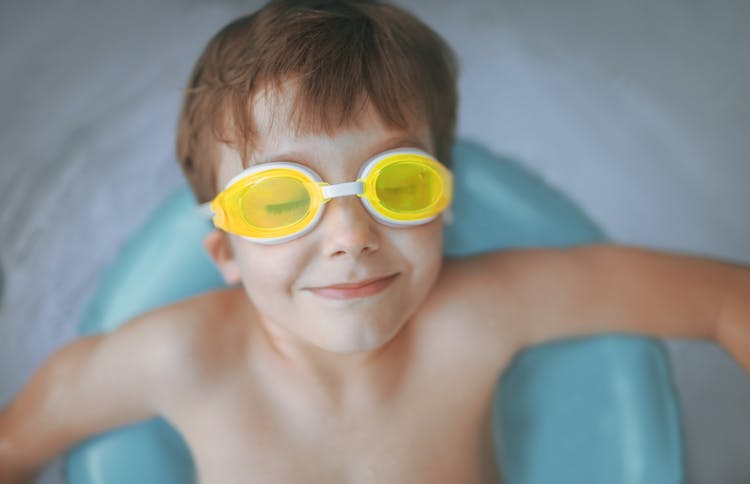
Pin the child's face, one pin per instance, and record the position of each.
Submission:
(290, 283)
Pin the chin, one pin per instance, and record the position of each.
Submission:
(356, 340)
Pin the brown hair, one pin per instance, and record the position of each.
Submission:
(339, 53)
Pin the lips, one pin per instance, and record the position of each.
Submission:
(367, 287)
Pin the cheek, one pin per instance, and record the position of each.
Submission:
(431, 251)
(422, 247)
(267, 271)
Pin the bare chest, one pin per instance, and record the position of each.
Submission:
(435, 432)
(434, 425)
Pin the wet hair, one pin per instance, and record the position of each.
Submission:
(339, 55)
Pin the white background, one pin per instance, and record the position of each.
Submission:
(639, 110)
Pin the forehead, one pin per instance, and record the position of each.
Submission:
(282, 133)
(282, 115)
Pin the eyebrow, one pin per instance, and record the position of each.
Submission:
(400, 141)
(275, 157)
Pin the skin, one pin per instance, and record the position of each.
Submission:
(269, 382)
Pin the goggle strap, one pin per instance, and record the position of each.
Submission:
(343, 189)
(448, 216)
(205, 209)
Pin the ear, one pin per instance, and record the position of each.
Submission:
(216, 243)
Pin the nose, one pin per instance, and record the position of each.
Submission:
(348, 230)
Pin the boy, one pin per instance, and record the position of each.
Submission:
(341, 324)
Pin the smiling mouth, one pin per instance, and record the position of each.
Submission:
(365, 288)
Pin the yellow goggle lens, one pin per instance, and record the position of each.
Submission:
(268, 204)
(408, 186)
(274, 202)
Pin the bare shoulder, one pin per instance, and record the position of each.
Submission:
(185, 344)
(473, 308)
(496, 296)
(103, 381)
(218, 334)
(485, 285)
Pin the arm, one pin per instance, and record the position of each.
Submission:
(590, 289)
(88, 386)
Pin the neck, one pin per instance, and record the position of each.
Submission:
(340, 378)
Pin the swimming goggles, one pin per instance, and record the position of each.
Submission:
(275, 202)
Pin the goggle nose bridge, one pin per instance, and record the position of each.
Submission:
(343, 189)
